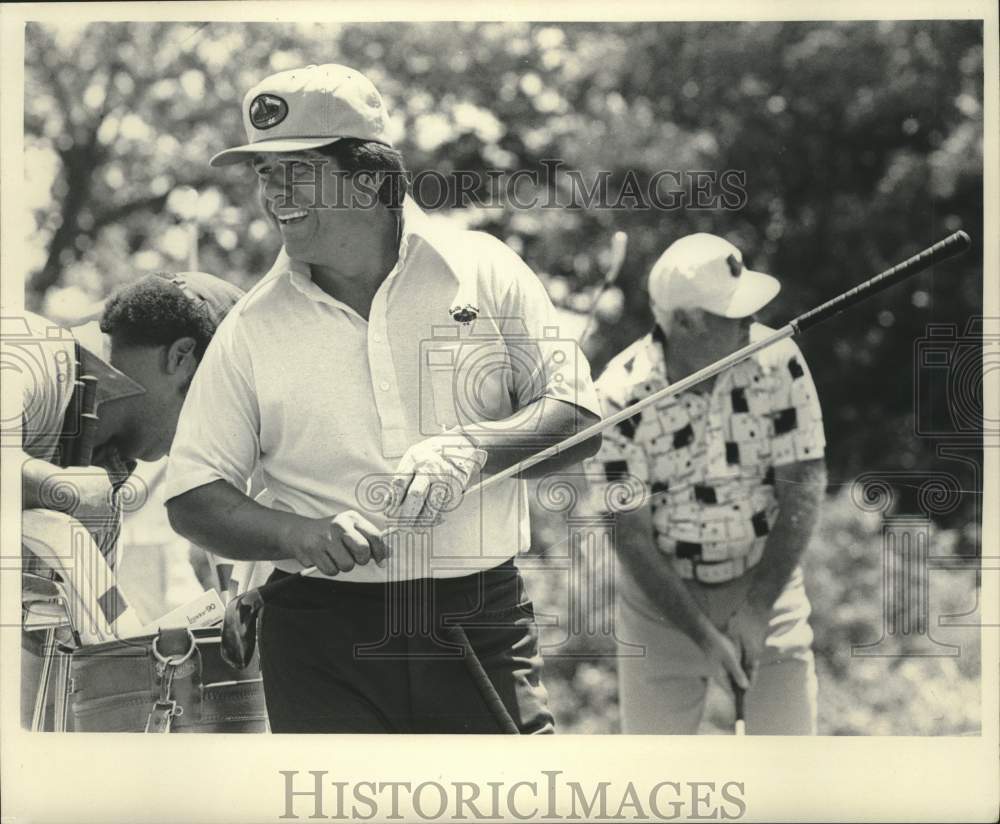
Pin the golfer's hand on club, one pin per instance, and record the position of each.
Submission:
(748, 630)
(335, 545)
(725, 658)
(431, 474)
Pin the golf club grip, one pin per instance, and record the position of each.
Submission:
(739, 699)
(952, 245)
(740, 694)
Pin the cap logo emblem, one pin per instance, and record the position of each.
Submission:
(267, 111)
(735, 266)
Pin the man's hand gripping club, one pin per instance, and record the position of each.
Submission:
(432, 475)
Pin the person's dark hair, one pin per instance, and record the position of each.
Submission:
(356, 156)
(155, 312)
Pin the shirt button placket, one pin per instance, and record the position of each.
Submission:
(383, 375)
(380, 349)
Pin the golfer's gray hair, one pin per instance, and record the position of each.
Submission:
(665, 317)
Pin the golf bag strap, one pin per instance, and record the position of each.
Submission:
(171, 648)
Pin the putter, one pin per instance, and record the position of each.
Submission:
(239, 628)
(739, 698)
(619, 245)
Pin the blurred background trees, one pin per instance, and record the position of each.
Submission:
(860, 144)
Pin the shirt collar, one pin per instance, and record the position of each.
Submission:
(653, 353)
(414, 225)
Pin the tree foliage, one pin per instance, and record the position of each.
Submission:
(860, 144)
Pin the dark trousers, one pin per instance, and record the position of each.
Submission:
(382, 658)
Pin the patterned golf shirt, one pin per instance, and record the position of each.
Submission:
(708, 460)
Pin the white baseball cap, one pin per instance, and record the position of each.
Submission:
(703, 271)
(307, 108)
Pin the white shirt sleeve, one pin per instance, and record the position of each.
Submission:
(218, 433)
(545, 361)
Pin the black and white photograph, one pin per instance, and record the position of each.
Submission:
(385, 381)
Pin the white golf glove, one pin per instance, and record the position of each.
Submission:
(432, 475)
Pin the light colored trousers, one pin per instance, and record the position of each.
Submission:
(663, 691)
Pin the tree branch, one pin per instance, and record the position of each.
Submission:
(151, 203)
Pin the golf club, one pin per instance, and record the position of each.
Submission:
(619, 245)
(739, 698)
(955, 244)
(239, 626)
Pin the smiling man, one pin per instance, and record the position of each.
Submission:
(382, 367)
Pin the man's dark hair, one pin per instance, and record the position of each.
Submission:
(356, 156)
(155, 312)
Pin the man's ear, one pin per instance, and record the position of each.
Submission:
(181, 359)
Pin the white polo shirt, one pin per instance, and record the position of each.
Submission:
(327, 402)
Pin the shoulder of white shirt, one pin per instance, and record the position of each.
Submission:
(262, 287)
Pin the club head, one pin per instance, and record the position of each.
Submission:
(239, 629)
(619, 246)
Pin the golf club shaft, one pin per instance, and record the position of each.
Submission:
(952, 245)
(619, 246)
(739, 696)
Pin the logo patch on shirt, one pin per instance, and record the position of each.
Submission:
(267, 111)
(464, 314)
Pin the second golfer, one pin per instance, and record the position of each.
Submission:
(708, 578)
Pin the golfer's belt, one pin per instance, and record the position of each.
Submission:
(716, 572)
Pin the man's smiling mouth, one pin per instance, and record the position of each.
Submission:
(288, 218)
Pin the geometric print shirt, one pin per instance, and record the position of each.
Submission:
(707, 459)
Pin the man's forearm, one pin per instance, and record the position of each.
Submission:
(220, 518)
(538, 426)
(800, 495)
(34, 473)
